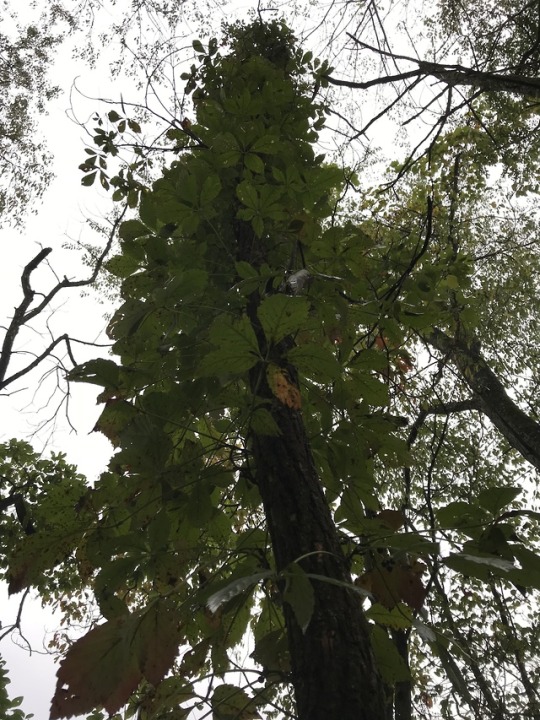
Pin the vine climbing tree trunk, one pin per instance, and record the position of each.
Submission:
(334, 672)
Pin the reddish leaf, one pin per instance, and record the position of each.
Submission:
(382, 583)
(410, 586)
(390, 585)
(394, 519)
(105, 666)
(158, 638)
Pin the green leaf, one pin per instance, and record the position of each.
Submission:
(38, 553)
(412, 543)
(210, 189)
(254, 163)
(496, 498)
(132, 229)
(272, 652)
(453, 672)
(237, 345)
(282, 315)
(299, 594)
(315, 362)
(267, 144)
(122, 266)
(247, 194)
(462, 515)
(89, 179)
(238, 586)
(479, 566)
(245, 270)
(232, 703)
(372, 391)
(134, 126)
(262, 423)
(114, 419)
(398, 618)
(97, 372)
(392, 666)
(257, 224)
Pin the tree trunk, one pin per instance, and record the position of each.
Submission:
(334, 672)
(522, 432)
(403, 690)
(333, 669)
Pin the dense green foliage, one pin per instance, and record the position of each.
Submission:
(260, 281)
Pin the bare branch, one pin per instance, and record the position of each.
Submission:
(24, 313)
(450, 74)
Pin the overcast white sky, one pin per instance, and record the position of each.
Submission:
(61, 218)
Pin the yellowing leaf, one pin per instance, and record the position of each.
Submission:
(283, 389)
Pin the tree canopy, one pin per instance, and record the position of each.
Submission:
(321, 395)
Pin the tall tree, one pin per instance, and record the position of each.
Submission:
(299, 410)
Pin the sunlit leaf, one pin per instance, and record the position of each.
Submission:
(392, 666)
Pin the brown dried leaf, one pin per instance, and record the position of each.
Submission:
(394, 519)
(411, 589)
(106, 665)
(391, 585)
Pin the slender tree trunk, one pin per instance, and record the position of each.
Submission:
(521, 431)
(334, 672)
(402, 691)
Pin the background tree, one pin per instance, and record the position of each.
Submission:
(25, 56)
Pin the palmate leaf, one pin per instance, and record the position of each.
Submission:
(282, 315)
(106, 665)
(232, 703)
(315, 362)
(237, 349)
(39, 553)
